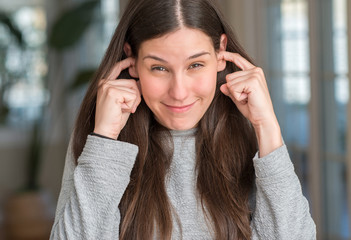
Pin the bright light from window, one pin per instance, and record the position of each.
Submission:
(110, 11)
(340, 51)
(295, 52)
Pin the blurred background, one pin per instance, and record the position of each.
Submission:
(50, 48)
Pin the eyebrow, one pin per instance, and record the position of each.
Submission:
(162, 60)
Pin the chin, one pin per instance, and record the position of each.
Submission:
(180, 126)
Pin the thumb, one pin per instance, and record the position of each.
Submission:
(224, 89)
(237, 97)
(240, 96)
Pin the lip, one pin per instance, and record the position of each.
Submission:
(180, 109)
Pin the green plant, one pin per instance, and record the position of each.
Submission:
(5, 79)
(71, 25)
(66, 31)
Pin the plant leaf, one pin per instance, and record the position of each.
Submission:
(5, 19)
(70, 27)
(34, 157)
(4, 111)
(81, 79)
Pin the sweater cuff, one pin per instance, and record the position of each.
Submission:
(100, 149)
(272, 164)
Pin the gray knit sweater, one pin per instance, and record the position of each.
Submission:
(88, 203)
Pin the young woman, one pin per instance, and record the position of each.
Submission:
(165, 144)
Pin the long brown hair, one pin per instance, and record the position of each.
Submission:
(225, 140)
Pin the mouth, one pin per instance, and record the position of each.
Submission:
(180, 109)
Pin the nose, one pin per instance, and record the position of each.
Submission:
(178, 89)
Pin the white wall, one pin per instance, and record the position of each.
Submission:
(248, 20)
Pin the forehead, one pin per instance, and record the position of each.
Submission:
(182, 41)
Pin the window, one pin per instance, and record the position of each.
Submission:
(288, 74)
(293, 26)
(337, 84)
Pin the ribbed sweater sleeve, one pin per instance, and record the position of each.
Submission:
(281, 212)
(91, 191)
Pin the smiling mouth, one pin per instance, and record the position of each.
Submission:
(180, 109)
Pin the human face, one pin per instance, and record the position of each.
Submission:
(178, 74)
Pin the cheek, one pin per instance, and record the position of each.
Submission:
(145, 83)
(206, 86)
(150, 86)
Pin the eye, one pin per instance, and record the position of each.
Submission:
(195, 65)
(158, 68)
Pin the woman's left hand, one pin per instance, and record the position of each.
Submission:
(248, 90)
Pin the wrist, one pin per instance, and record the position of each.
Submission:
(101, 136)
(105, 134)
(268, 136)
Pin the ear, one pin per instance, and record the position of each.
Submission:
(132, 69)
(222, 47)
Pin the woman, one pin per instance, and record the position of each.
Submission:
(165, 142)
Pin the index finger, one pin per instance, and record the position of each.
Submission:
(237, 59)
(120, 66)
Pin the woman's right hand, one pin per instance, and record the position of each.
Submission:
(116, 100)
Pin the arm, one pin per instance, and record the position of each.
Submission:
(91, 191)
(281, 211)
